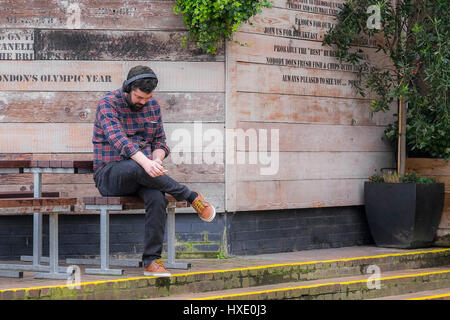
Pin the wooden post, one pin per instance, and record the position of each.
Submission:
(401, 116)
(401, 136)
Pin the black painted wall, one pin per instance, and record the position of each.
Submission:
(298, 229)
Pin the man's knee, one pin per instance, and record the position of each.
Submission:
(161, 198)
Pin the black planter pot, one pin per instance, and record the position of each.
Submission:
(403, 215)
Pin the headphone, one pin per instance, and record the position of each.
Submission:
(126, 84)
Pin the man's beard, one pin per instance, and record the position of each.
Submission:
(134, 107)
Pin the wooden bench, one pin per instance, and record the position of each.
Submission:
(106, 204)
(44, 205)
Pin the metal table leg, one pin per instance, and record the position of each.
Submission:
(28, 267)
(30, 259)
(37, 222)
(54, 272)
(132, 263)
(11, 274)
(37, 238)
(104, 248)
(53, 268)
(171, 263)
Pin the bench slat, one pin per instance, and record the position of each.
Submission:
(66, 164)
(15, 163)
(32, 209)
(83, 164)
(77, 164)
(27, 194)
(36, 202)
(55, 164)
(129, 202)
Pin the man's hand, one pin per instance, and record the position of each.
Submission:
(154, 168)
(158, 155)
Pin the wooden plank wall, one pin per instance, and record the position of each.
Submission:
(440, 170)
(284, 79)
(55, 64)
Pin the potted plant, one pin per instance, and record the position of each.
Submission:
(403, 210)
(414, 35)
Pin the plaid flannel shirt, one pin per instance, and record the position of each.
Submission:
(120, 132)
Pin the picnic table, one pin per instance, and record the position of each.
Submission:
(37, 168)
(101, 204)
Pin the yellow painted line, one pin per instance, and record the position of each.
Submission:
(313, 262)
(431, 297)
(320, 285)
(230, 270)
(79, 284)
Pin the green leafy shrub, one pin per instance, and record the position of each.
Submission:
(210, 23)
(415, 36)
(394, 177)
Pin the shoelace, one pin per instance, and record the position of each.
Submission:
(199, 205)
(159, 262)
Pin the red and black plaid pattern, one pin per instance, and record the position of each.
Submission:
(120, 132)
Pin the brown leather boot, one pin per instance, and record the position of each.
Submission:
(156, 269)
(205, 211)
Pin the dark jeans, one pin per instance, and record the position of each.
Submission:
(128, 178)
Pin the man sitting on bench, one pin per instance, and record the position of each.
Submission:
(129, 149)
